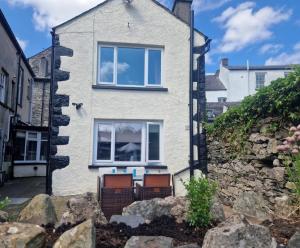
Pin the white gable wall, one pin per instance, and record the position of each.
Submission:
(151, 25)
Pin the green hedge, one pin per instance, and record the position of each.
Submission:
(280, 99)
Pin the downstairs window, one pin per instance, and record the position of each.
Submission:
(120, 143)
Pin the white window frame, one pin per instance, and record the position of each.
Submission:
(144, 147)
(160, 143)
(39, 140)
(146, 64)
(256, 82)
(3, 85)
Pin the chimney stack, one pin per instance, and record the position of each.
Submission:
(225, 62)
(182, 9)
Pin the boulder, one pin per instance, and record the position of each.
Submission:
(154, 208)
(3, 216)
(294, 242)
(251, 204)
(189, 246)
(39, 211)
(217, 210)
(81, 208)
(130, 220)
(60, 205)
(239, 235)
(83, 236)
(149, 242)
(21, 235)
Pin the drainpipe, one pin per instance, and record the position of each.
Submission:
(18, 82)
(191, 105)
(49, 169)
(248, 76)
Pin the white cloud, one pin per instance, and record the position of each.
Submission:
(49, 13)
(243, 26)
(204, 5)
(23, 43)
(270, 48)
(286, 58)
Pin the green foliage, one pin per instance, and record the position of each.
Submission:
(294, 176)
(280, 99)
(4, 203)
(200, 193)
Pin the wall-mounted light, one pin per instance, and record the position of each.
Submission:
(77, 105)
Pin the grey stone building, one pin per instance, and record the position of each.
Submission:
(41, 65)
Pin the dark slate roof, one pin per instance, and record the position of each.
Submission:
(260, 68)
(13, 39)
(217, 107)
(213, 83)
(99, 5)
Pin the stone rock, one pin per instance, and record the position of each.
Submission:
(217, 210)
(83, 236)
(283, 207)
(39, 211)
(3, 216)
(130, 220)
(81, 208)
(276, 162)
(21, 235)
(149, 242)
(276, 173)
(290, 185)
(251, 204)
(294, 242)
(272, 146)
(258, 138)
(239, 235)
(189, 246)
(154, 208)
(60, 204)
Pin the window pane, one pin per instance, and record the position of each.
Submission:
(153, 142)
(107, 64)
(44, 136)
(43, 154)
(104, 142)
(32, 135)
(128, 142)
(154, 71)
(31, 150)
(131, 66)
(20, 146)
(260, 79)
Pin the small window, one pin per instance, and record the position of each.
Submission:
(20, 86)
(260, 80)
(222, 99)
(3, 86)
(127, 142)
(130, 66)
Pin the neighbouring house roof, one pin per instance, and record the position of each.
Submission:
(218, 107)
(13, 39)
(213, 83)
(106, 1)
(40, 52)
(260, 68)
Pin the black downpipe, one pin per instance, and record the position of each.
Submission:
(191, 105)
(49, 169)
(18, 86)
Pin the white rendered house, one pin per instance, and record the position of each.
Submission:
(128, 90)
(231, 84)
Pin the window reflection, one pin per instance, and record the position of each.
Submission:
(154, 71)
(107, 64)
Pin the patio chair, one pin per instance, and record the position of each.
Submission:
(116, 192)
(155, 186)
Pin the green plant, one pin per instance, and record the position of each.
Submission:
(4, 203)
(200, 193)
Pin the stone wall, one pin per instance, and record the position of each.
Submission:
(261, 169)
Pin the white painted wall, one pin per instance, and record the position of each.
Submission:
(240, 84)
(149, 25)
(213, 95)
(30, 171)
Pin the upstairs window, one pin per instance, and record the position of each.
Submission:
(3, 86)
(129, 66)
(260, 80)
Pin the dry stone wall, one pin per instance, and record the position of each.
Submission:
(260, 170)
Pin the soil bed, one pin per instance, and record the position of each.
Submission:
(282, 230)
(116, 235)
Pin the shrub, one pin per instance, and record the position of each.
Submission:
(200, 193)
(4, 203)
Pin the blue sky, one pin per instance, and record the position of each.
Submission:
(261, 31)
